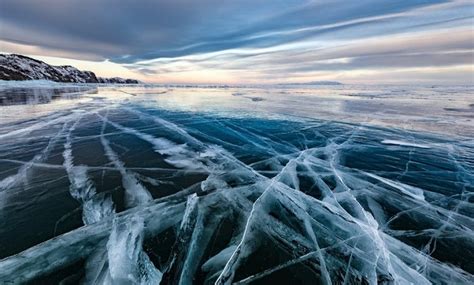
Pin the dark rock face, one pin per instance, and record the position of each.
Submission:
(19, 67)
(117, 80)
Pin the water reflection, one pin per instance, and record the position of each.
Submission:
(440, 109)
(23, 96)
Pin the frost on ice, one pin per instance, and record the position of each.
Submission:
(124, 192)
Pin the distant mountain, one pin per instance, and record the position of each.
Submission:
(314, 83)
(20, 67)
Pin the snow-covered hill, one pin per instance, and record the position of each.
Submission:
(19, 67)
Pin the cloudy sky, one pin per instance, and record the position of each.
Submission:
(249, 41)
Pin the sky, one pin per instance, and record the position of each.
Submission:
(249, 41)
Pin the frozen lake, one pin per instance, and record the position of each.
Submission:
(245, 185)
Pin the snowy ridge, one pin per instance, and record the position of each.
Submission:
(18, 67)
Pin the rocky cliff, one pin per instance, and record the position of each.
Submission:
(19, 67)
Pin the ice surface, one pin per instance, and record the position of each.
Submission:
(403, 143)
(127, 262)
(159, 184)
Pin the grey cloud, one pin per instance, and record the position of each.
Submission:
(129, 31)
